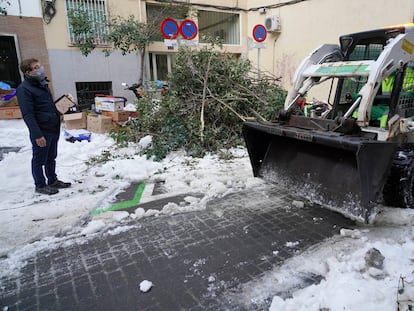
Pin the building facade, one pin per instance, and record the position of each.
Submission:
(40, 29)
(21, 33)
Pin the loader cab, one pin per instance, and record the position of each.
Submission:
(363, 46)
(400, 88)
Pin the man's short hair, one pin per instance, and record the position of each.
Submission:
(26, 65)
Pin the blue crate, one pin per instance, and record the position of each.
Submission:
(77, 135)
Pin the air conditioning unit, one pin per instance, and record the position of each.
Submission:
(272, 23)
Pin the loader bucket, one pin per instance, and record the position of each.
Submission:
(343, 173)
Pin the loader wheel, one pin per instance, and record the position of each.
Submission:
(399, 188)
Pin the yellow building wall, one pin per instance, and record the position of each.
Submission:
(308, 24)
(304, 26)
(56, 33)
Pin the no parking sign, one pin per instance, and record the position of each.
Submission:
(259, 33)
(169, 28)
(188, 29)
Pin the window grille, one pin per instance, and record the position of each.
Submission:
(214, 24)
(405, 107)
(86, 92)
(97, 13)
(361, 52)
(366, 52)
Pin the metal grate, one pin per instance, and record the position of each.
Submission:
(86, 92)
(366, 52)
(361, 52)
(96, 10)
(406, 103)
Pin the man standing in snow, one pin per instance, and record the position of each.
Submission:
(43, 120)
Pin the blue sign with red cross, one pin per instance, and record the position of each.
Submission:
(169, 28)
(259, 33)
(188, 29)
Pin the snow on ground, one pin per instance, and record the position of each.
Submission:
(360, 269)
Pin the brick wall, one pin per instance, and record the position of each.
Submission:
(30, 37)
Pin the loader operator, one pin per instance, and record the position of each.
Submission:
(387, 85)
(408, 83)
(380, 111)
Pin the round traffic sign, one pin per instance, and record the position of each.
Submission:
(188, 29)
(259, 33)
(169, 28)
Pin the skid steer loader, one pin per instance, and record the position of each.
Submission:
(354, 147)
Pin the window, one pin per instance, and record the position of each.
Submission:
(96, 10)
(219, 24)
(156, 13)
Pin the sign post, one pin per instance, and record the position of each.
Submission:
(259, 35)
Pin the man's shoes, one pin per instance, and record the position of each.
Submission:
(46, 190)
(58, 184)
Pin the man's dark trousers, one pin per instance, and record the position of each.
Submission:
(45, 156)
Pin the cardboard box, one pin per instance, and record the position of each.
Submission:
(63, 103)
(99, 124)
(8, 98)
(75, 120)
(10, 113)
(7, 94)
(13, 102)
(117, 116)
(109, 104)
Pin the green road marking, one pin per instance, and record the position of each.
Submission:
(135, 201)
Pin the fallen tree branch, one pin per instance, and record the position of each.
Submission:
(226, 105)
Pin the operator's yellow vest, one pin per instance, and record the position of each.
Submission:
(388, 83)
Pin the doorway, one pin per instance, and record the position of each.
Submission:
(9, 62)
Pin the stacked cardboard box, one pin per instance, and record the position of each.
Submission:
(117, 116)
(92, 122)
(110, 107)
(75, 120)
(99, 123)
(64, 103)
(109, 104)
(10, 113)
(9, 106)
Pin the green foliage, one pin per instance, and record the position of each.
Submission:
(106, 156)
(103, 158)
(128, 35)
(82, 27)
(209, 95)
(156, 13)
